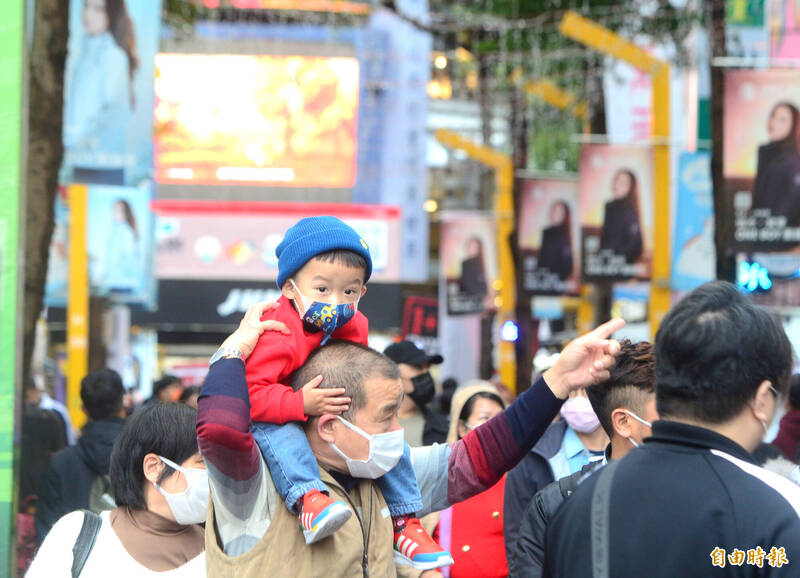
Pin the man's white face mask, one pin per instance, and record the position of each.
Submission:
(385, 450)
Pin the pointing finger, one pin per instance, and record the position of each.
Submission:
(607, 328)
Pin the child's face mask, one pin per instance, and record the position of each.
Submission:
(324, 317)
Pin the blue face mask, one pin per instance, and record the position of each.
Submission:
(325, 317)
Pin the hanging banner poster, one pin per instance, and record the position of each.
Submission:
(785, 29)
(468, 262)
(616, 204)
(120, 245)
(693, 251)
(746, 30)
(761, 161)
(108, 91)
(549, 237)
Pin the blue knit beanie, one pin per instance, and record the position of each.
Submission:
(312, 236)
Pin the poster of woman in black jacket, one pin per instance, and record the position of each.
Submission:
(555, 253)
(777, 184)
(473, 271)
(621, 234)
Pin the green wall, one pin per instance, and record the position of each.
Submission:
(11, 45)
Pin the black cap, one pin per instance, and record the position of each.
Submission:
(408, 353)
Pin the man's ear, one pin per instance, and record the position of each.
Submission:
(152, 466)
(363, 291)
(621, 422)
(325, 427)
(763, 398)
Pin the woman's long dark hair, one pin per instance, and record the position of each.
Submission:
(566, 224)
(122, 30)
(633, 193)
(479, 241)
(790, 142)
(130, 218)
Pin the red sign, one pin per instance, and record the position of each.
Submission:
(421, 318)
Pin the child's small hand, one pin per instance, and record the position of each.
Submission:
(318, 401)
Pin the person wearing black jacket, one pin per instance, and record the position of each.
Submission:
(69, 476)
(625, 404)
(423, 425)
(555, 253)
(622, 231)
(693, 501)
(777, 184)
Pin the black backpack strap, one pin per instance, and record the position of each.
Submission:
(601, 520)
(85, 541)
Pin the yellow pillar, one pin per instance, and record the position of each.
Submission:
(78, 302)
(504, 216)
(557, 97)
(603, 40)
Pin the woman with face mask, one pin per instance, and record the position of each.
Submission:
(777, 184)
(160, 486)
(472, 529)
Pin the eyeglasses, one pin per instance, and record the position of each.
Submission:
(774, 392)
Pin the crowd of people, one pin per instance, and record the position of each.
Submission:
(311, 454)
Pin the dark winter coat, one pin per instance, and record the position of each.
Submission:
(555, 254)
(777, 185)
(622, 233)
(532, 474)
(69, 476)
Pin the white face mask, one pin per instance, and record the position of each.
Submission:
(385, 450)
(641, 421)
(190, 506)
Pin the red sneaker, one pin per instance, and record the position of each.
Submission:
(414, 547)
(321, 516)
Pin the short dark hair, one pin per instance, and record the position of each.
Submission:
(713, 351)
(163, 383)
(466, 409)
(102, 393)
(632, 381)
(794, 391)
(344, 257)
(165, 429)
(348, 365)
(189, 392)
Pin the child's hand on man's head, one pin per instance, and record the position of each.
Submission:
(318, 401)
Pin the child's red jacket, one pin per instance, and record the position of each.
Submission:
(277, 356)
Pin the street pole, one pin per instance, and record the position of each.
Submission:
(77, 302)
(605, 41)
(503, 168)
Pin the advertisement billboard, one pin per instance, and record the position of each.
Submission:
(761, 161)
(237, 240)
(785, 29)
(694, 255)
(549, 237)
(616, 206)
(271, 120)
(120, 247)
(108, 91)
(468, 262)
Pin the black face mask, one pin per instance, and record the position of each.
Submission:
(423, 389)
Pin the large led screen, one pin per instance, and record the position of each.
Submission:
(284, 121)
